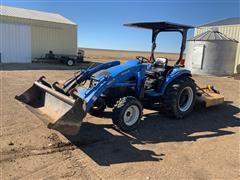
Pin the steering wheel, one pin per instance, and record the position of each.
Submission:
(142, 59)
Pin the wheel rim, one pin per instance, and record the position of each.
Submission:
(70, 62)
(131, 115)
(185, 99)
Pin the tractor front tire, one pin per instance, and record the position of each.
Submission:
(127, 113)
(179, 98)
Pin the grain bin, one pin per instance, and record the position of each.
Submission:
(211, 53)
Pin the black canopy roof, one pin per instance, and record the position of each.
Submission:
(161, 25)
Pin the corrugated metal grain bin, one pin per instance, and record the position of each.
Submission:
(211, 53)
(28, 34)
(231, 28)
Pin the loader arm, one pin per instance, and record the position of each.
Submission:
(114, 77)
(83, 76)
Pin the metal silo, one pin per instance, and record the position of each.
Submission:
(211, 53)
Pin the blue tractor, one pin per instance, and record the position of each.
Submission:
(126, 88)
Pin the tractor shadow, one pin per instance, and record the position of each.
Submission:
(106, 148)
(202, 123)
(106, 145)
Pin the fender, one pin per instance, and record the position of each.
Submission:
(112, 80)
(175, 73)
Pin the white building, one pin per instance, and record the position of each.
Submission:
(27, 34)
(229, 27)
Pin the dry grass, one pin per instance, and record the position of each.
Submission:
(103, 54)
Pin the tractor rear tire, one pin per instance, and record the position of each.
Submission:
(127, 113)
(180, 97)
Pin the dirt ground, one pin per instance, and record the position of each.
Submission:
(204, 145)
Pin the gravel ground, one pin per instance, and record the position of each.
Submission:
(205, 145)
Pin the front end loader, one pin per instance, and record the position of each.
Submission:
(127, 88)
(58, 104)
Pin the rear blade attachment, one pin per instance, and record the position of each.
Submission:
(57, 110)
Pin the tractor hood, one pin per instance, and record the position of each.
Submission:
(115, 70)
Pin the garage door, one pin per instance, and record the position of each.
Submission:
(15, 42)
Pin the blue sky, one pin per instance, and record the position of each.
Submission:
(100, 22)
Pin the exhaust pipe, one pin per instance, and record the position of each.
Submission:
(58, 111)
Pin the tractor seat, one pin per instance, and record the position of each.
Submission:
(158, 68)
(155, 72)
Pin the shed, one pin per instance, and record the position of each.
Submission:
(211, 52)
(229, 27)
(27, 34)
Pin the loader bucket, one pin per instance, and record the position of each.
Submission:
(59, 111)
